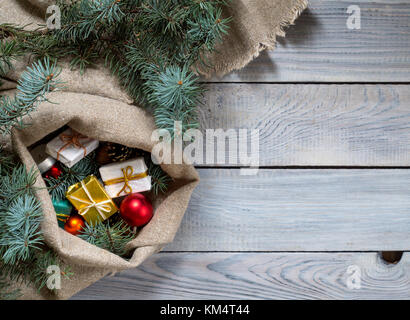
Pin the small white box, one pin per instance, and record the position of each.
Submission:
(122, 178)
(44, 161)
(70, 147)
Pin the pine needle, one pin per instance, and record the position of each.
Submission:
(57, 187)
(152, 46)
(34, 84)
(113, 238)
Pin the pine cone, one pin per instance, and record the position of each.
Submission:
(114, 152)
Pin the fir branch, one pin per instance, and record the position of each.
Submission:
(106, 10)
(20, 215)
(83, 58)
(164, 16)
(5, 292)
(34, 84)
(175, 95)
(34, 270)
(151, 48)
(208, 29)
(22, 251)
(44, 259)
(86, 18)
(7, 161)
(112, 238)
(85, 167)
(20, 235)
(9, 51)
(18, 183)
(173, 87)
(146, 43)
(159, 179)
(43, 45)
(166, 118)
(8, 30)
(36, 81)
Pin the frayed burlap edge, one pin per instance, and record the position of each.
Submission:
(259, 45)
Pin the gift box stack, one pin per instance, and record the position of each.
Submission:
(116, 188)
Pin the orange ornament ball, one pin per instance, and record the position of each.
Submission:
(74, 224)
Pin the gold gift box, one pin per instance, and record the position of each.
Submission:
(91, 200)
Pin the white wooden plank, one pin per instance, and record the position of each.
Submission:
(298, 210)
(309, 125)
(256, 276)
(320, 47)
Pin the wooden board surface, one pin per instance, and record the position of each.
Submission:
(298, 210)
(309, 125)
(257, 276)
(240, 236)
(320, 47)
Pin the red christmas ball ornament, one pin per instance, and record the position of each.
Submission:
(136, 210)
(54, 172)
(74, 224)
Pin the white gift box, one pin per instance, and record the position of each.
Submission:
(122, 178)
(44, 161)
(70, 147)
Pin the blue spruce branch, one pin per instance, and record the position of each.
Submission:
(32, 88)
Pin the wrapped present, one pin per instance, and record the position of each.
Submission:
(122, 178)
(70, 147)
(63, 210)
(43, 160)
(91, 200)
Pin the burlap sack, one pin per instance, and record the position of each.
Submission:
(95, 105)
(106, 120)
